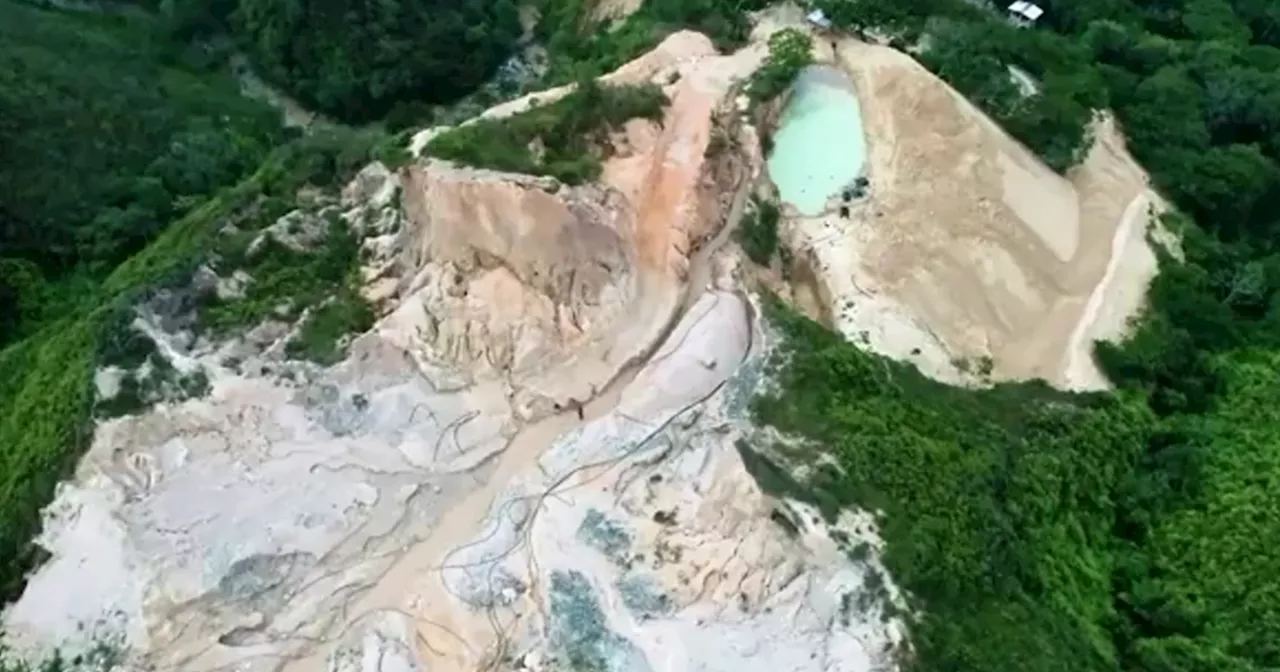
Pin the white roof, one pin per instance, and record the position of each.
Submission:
(819, 17)
(1026, 10)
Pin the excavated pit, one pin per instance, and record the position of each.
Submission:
(963, 247)
(428, 502)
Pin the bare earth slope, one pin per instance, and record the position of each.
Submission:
(431, 502)
(968, 246)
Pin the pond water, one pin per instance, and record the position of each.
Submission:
(819, 147)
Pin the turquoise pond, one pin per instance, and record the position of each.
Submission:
(819, 147)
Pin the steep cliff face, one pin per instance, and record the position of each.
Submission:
(558, 288)
(527, 462)
(511, 273)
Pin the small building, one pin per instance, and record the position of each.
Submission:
(818, 19)
(1024, 13)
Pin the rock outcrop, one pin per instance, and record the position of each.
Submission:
(511, 274)
(558, 288)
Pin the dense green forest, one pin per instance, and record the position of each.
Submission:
(360, 61)
(104, 143)
(1038, 530)
(1035, 530)
(356, 59)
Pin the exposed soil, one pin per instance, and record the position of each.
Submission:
(968, 246)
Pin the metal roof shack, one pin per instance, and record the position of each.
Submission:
(1024, 13)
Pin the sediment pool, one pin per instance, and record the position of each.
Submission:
(819, 146)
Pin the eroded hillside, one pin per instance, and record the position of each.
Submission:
(539, 450)
(968, 256)
(528, 460)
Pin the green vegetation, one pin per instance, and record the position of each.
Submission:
(1125, 531)
(324, 329)
(1195, 85)
(356, 60)
(398, 61)
(47, 396)
(1201, 593)
(564, 139)
(285, 281)
(972, 49)
(1052, 123)
(319, 274)
(790, 51)
(1036, 530)
(578, 45)
(1042, 531)
(105, 144)
(996, 503)
(758, 232)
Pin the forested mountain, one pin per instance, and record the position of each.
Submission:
(358, 60)
(104, 144)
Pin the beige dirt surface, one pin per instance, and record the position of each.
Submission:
(968, 246)
(614, 10)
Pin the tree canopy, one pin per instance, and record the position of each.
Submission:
(355, 59)
(104, 144)
(1120, 534)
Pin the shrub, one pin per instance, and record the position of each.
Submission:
(758, 232)
(790, 51)
(564, 139)
(327, 325)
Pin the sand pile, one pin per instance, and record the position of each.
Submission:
(968, 247)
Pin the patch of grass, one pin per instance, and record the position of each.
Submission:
(287, 281)
(321, 335)
(564, 139)
(758, 232)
